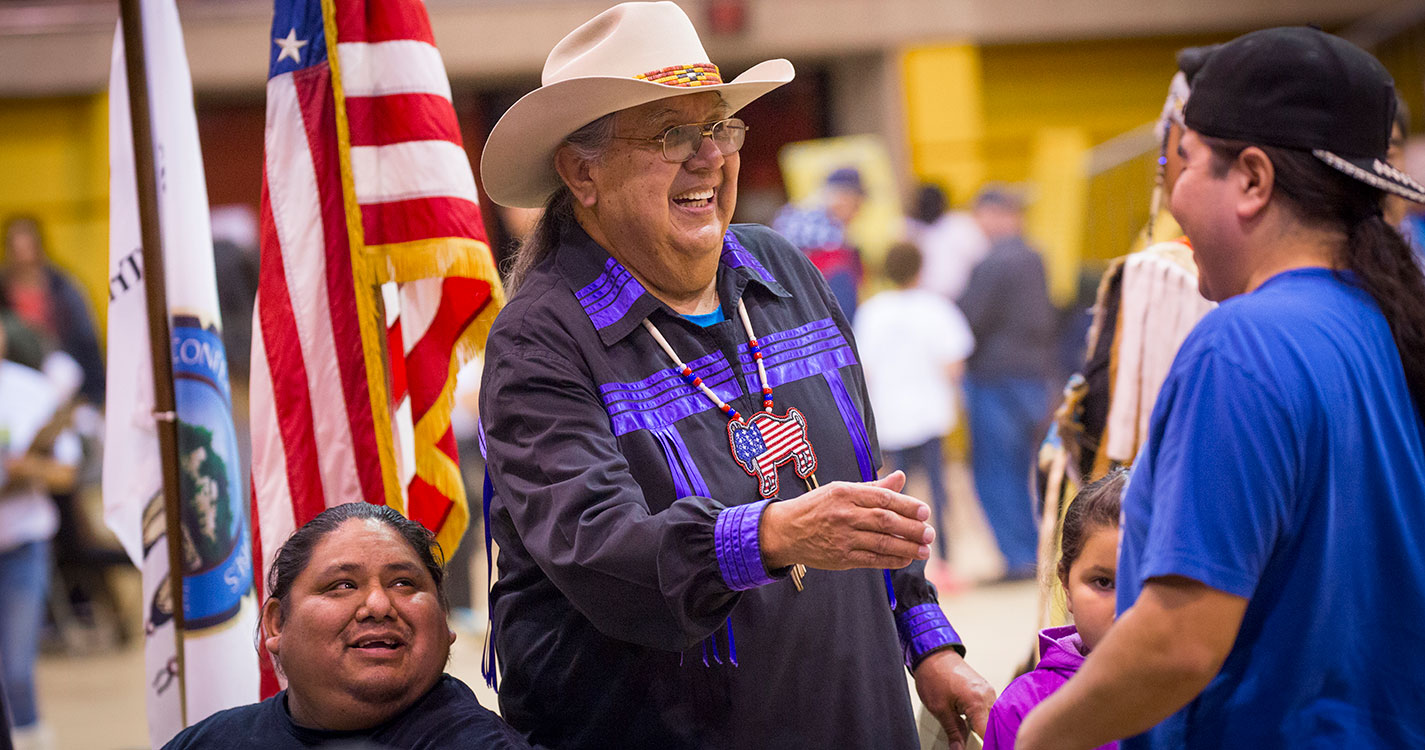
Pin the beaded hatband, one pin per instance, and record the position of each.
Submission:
(696, 74)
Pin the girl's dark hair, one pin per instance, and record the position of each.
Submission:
(296, 553)
(589, 143)
(1095, 507)
(1384, 264)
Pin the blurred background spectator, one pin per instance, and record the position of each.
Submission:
(913, 345)
(38, 456)
(951, 242)
(48, 300)
(1007, 378)
(818, 228)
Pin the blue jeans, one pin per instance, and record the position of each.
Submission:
(1005, 416)
(24, 586)
(928, 456)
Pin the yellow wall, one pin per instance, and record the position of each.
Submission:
(1026, 113)
(54, 155)
(945, 116)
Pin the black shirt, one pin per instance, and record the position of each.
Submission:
(447, 716)
(610, 474)
(1006, 302)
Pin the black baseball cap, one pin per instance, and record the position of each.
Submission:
(1191, 59)
(1300, 88)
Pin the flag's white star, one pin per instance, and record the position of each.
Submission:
(291, 47)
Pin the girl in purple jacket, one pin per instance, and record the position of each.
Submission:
(1087, 567)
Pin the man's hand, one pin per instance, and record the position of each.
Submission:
(953, 693)
(843, 525)
(51, 475)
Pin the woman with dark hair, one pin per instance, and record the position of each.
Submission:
(49, 302)
(356, 622)
(1271, 583)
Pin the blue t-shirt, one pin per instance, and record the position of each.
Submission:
(1284, 464)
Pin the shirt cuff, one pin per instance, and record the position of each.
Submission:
(739, 550)
(924, 629)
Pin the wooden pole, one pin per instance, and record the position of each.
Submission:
(159, 337)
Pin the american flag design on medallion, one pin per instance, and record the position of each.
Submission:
(765, 441)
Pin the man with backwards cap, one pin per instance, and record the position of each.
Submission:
(1271, 575)
(694, 548)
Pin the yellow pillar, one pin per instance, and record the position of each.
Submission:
(1055, 219)
(945, 116)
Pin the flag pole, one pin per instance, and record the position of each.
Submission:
(156, 296)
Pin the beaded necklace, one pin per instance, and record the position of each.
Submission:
(764, 441)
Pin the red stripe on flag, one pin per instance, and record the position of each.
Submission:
(291, 397)
(267, 676)
(426, 505)
(461, 299)
(446, 444)
(421, 219)
(397, 118)
(318, 105)
(395, 344)
(382, 21)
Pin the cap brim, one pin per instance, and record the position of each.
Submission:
(1376, 173)
(517, 163)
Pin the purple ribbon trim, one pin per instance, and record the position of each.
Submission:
(687, 480)
(480, 432)
(739, 553)
(631, 395)
(924, 629)
(797, 353)
(773, 341)
(662, 398)
(734, 255)
(851, 417)
(780, 373)
(607, 298)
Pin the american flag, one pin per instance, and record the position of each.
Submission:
(376, 281)
(764, 441)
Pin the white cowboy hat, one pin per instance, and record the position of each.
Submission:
(630, 54)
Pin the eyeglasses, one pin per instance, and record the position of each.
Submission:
(681, 142)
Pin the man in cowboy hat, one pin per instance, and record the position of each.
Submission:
(1271, 585)
(695, 550)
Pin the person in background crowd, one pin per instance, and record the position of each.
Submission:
(1412, 226)
(235, 261)
(1006, 382)
(48, 301)
(1406, 216)
(356, 622)
(1271, 583)
(37, 457)
(914, 344)
(818, 228)
(657, 393)
(1087, 569)
(23, 344)
(951, 242)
